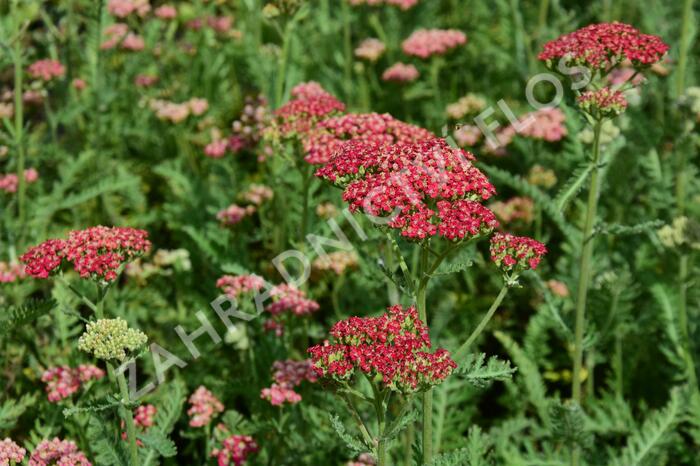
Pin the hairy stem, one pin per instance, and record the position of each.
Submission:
(428, 394)
(585, 275)
(462, 351)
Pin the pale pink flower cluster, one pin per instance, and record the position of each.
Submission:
(145, 80)
(176, 113)
(287, 375)
(467, 135)
(235, 285)
(234, 213)
(123, 8)
(370, 49)
(7, 110)
(401, 72)
(337, 262)
(46, 70)
(424, 43)
(216, 149)
(79, 84)
(220, 24)
(289, 298)
(58, 452)
(403, 4)
(547, 124)
(558, 288)
(204, 407)
(165, 12)
(144, 417)
(308, 90)
(256, 194)
(11, 272)
(10, 182)
(515, 208)
(118, 35)
(10, 451)
(620, 76)
(365, 459)
(62, 381)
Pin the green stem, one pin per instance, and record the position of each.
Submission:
(282, 70)
(585, 275)
(128, 417)
(462, 351)
(428, 394)
(683, 320)
(358, 419)
(684, 46)
(306, 189)
(19, 122)
(381, 423)
(542, 17)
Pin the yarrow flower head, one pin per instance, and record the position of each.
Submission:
(58, 452)
(204, 407)
(278, 395)
(235, 450)
(287, 375)
(393, 350)
(515, 254)
(46, 70)
(257, 194)
(600, 46)
(10, 451)
(288, 298)
(234, 214)
(96, 253)
(62, 381)
(236, 285)
(124, 8)
(144, 417)
(336, 262)
(111, 339)
(424, 43)
(401, 72)
(10, 182)
(310, 105)
(248, 129)
(11, 272)
(602, 103)
(329, 135)
(514, 209)
(370, 49)
(165, 12)
(403, 4)
(422, 189)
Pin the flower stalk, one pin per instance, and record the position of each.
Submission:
(462, 351)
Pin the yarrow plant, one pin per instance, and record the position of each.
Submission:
(11, 453)
(111, 339)
(62, 381)
(58, 452)
(204, 406)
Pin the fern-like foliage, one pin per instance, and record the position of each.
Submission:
(16, 316)
(12, 409)
(569, 425)
(481, 373)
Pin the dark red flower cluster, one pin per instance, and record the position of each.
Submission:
(96, 253)
(331, 133)
(311, 104)
(513, 254)
(235, 450)
(602, 103)
(425, 188)
(605, 44)
(392, 349)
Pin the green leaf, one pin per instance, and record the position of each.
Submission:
(569, 424)
(158, 441)
(481, 373)
(408, 416)
(356, 445)
(573, 186)
(107, 450)
(478, 447)
(17, 316)
(12, 409)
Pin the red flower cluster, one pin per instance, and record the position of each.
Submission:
(96, 253)
(235, 285)
(58, 452)
(602, 103)
(235, 450)
(513, 254)
(604, 45)
(311, 103)
(62, 381)
(330, 134)
(424, 43)
(393, 349)
(46, 70)
(204, 406)
(427, 188)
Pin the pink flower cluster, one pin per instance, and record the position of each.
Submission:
(424, 43)
(145, 80)
(393, 349)
(401, 72)
(602, 103)
(62, 381)
(144, 417)
(96, 253)
(10, 451)
(514, 254)
(546, 124)
(248, 129)
(364, 459)
(287, 375)
(403, 4)
(46, 70)
(330, 134)
(235, 450)
(233, 214)
(11, 272)
(204, 407)
(514, 209)
(58, 452)
(216, 149)
(287, 298)
(426, 189)
(311, 103)
(165, 12)
(257, 194)
(10, 182)
(370, 49)
(235, 285)
(178, 112)
(604, 45)
(118, 35)
(123, 8)
(467, 135)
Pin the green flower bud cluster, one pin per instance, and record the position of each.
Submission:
(110, 339)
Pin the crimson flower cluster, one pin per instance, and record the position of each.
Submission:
(514, 254)
(62, 381)
(602, 103)
(204, 406)
(311, 103)
(331, 133)
(425, 188)
(235, 450)
(96, 253)
(392, 349)
(600, 46)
